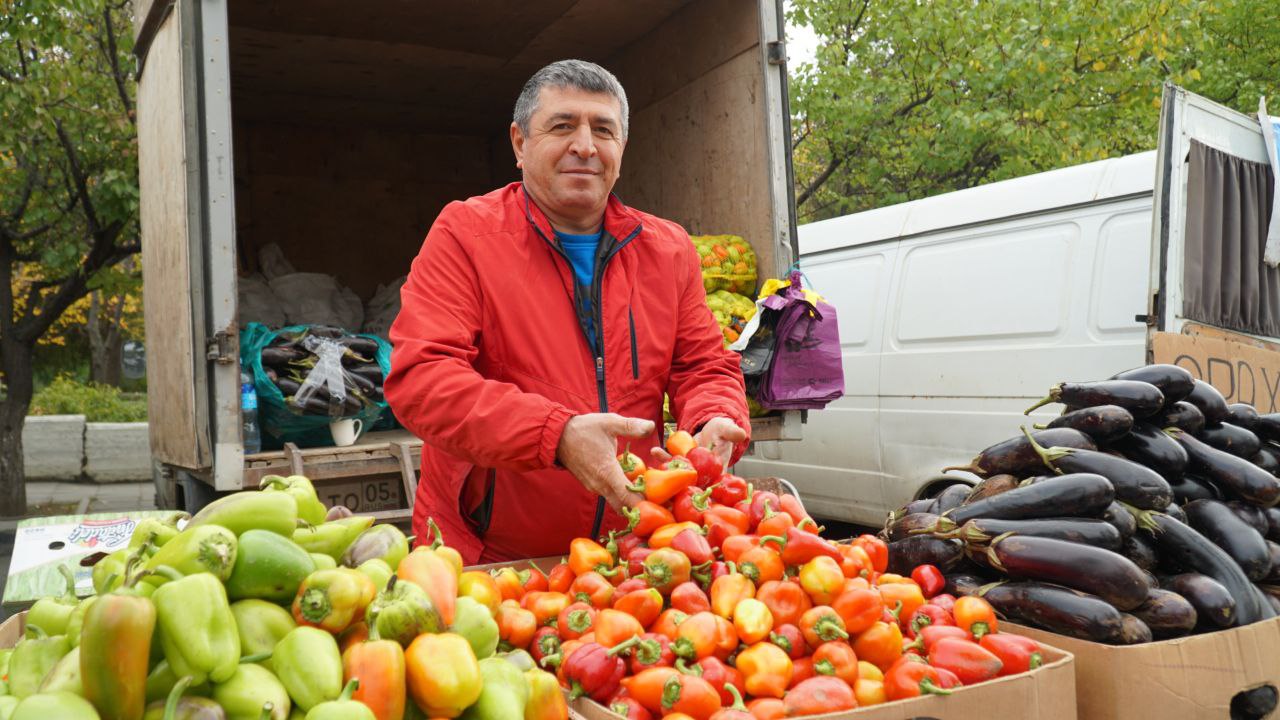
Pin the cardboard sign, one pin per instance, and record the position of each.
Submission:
(1241, 368)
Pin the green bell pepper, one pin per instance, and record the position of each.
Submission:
(76, 623)
(334, 537)
(310, 509)
(32, 659)
(344, 708)
(115, 648)
(7, 704)
(51, 614)
(64, 676)
(244, 693)
(378, 571)
(60, 705)
(261, 625)
(5, 654)
(108, 572)
(156, 530)
(322, 561)
(267, 566)
(383, 542)
(402, 612)
(178, 706)
(309, 666)
(162, 680)
(238, 512)
(197, 630)
(473, 621)
(205, 548)
(504, 694)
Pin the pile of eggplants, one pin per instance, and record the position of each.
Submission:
(287, 361)
(1146, 511)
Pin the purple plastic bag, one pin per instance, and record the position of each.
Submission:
(807, 371)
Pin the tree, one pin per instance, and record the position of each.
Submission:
(909, 99)
(68, 183)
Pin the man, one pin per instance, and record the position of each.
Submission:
(540, 326)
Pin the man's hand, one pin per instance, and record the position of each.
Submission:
(589, 449)
(720, 435)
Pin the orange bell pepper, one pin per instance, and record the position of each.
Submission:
(902, 599)
(734, 518)
(913, 679)
(442, 674)
(729, 590)
(666, 568)
(663, 536)
(752, 620)
(774, 523)
(696, 637)
(765, 669)
(733, 547)
(761, 564)
(836, 658)
(819, 695)
(665, 690)
(822, 579)
(546, 702)
(869, 692)
(575, 620)
(821, 624)
(593, 588)
(631, 464)
(854, 562)
(645, 605)
(333, 599)
(355, 634)
(615, 626)
(434, 573)
(516, 626)
(786, 600)
(645, 517)
(680, 442)
(481, 587)
(508, 582)
(380, 667)
(801, 670)
(975, 616)
(557, 660)
(668, 623)
(876, 549)
(453, 557)
(660, 486)
(546, 606)
(859, 608)
(586, 555)
(560, 577)
(726, 638)
(880, 645)
(767, 709)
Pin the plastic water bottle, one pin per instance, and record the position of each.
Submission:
(249, 415)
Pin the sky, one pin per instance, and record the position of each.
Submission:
(802, 43)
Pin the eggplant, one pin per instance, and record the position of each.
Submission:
(1231, 438)
(359, 382)
(1230, 472)
(924, 505)
(1147, 445)
(1273, 575)
(1255, 703)
(1221, 525)
(1080, 494)
(1193, 487)
(1122, 520)
(1267, 427)
(1015, 456)
(371, 371)
(287, 386)
(1135, 484)
(1141, 551)
(281, 356)
(1152, 582)
(1167, 613)
(1211, 403)
(1097, 533)
(326, 331)
(1133, 631)
(1252, 515)
(1267, 458)
(1242, 414)
(1175, 511)
(906, 554)
(993, 485)
(1110, 576)
(1192, 551)
(1182, 415)
(963, 584)
(1057, 609)
(1174, 382)
(952, 497)
(1139, 398)
(1273, 523)
(1102, 423)
(359, 345)
(1213, 604)
(905, 526)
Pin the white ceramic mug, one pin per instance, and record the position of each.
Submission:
(346, 431)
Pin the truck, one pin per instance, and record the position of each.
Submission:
(339, 132)
(958, 311)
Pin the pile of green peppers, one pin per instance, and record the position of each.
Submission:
(261, 607)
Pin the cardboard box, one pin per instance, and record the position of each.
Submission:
(1190, 678)
(42, 544)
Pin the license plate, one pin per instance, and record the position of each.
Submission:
(364, 496)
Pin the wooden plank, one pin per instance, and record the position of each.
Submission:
(166, 264)
(1238, 368)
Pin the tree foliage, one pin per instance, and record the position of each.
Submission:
(908, 98)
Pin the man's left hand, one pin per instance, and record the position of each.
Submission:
(721, 435)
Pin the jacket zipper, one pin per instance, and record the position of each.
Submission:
(635, 358)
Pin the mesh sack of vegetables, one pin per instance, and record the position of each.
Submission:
(307, 376)
(728, 263)
(731, 311)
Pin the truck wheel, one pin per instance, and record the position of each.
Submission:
(195, 493)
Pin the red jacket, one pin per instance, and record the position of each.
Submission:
(491, 361)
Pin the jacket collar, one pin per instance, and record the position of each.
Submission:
(620, 221)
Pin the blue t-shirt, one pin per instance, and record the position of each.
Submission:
(581, 250)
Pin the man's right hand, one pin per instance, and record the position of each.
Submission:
(589, 449)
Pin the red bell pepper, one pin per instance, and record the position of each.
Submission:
(592, 671)
(929, 635)
(819, 695)
(628, 544)
(644, 605)
(913, 679)
(800, 546)
(774, 522)
(756, 511)
(689, 504)
(721, 676)
(790, 639)
(648, 650)
(731, 490)
(971, 662)
(694, 546)
(592, 588)
(928, 615)
(629, 708)
(734, 518)
(790, 504)
(667, 691)
(707, 464)
(627, 586)
(945, 601)
(689, 598)
(560, 577)
(876, 549)
(545, 643)
(575, 620)
(1018, 653)
(666, 568)
(929, 578)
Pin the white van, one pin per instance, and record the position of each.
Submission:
(959, 311)
(956, 313)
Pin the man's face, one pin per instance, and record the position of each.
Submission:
(572, 154)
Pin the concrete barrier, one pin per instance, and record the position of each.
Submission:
(117, 452)
(53, 447)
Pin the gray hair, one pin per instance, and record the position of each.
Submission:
(578, 74)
